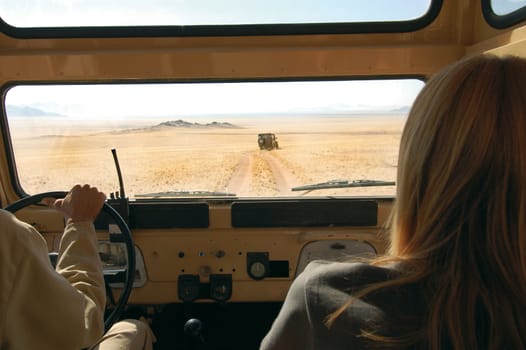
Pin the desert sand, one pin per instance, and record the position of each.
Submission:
(55, 154)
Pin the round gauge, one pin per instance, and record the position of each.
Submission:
(257, 270)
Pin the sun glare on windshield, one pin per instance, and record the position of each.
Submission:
(270, 139)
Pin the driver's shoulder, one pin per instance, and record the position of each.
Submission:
(18, 237)
(6, 217)
(11, 224)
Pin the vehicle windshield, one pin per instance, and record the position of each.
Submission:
(231, 139)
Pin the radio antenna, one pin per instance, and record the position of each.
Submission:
(119, 174)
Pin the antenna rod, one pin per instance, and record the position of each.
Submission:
(121, 183)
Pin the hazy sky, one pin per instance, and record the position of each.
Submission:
(216, 98)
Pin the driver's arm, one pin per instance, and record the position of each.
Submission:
(46, 310)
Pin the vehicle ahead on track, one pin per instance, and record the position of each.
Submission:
(216, 239)
(268, 141)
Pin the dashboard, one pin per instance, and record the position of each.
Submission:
(225, 264)
(240, 251)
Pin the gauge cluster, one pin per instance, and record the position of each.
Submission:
(114, 258)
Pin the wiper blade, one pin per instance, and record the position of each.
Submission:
(169, 194)
(342, 184)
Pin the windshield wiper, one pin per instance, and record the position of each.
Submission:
(169, 194)
(342, 184)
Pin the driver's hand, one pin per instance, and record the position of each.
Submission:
(82, 203)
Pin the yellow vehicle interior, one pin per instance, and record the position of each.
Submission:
(229, 260)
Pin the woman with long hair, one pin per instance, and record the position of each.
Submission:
(455, 274)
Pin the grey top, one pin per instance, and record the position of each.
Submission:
(323, 288)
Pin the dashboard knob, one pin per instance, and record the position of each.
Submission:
(193, 327)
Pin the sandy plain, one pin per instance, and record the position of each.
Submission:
(54, 154)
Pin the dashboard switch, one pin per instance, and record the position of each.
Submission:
(220, 287)
(189, 287)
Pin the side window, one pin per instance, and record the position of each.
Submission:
(504, 13)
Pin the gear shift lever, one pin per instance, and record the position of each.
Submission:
(193, 328)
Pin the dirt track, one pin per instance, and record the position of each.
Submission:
(261, 171)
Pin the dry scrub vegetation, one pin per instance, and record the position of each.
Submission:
(54, 155)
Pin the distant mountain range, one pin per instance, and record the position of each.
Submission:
(178, 124)
(26, 111)
(183, 123)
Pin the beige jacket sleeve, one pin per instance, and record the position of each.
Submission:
(43, 309)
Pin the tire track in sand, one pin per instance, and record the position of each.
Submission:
(239, 182)
(284, 179)
(261, 173)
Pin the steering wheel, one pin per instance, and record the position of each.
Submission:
(126, 236)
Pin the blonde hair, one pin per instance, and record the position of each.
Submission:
(460, 210)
